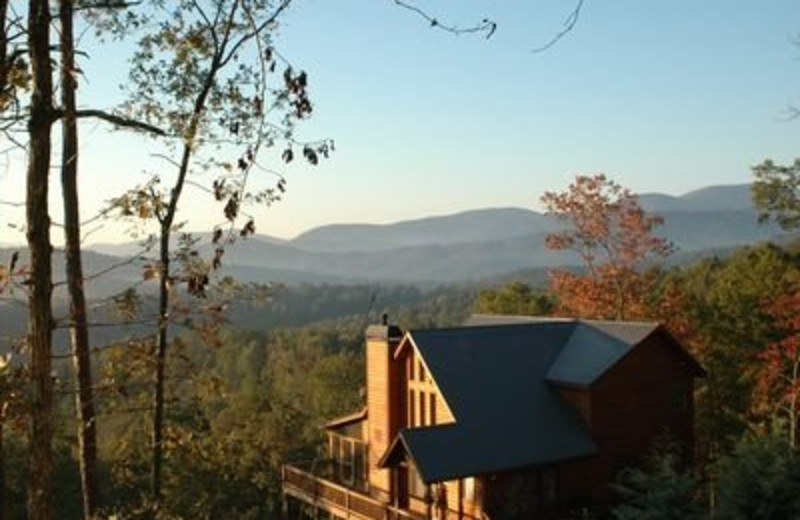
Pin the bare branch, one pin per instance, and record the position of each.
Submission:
(569, 24)
(486, 26)
(109, 4)
(120, 121)
(255, 32)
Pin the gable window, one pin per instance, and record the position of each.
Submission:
(416, 487)
(421, 371)
(469, 489)
(432, 408)
(410, 366)
(422, 416)
(411, 406)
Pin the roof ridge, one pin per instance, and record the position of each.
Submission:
(559, 321)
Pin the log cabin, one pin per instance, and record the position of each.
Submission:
(503, 418)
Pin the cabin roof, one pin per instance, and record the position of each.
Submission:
(495, 375)
(349, 425)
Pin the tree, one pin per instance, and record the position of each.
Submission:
(759, 481)
(661, 490)
(40, 324)
(776, 193)
(779, 375)
(614, 239)
(514, 298)
(205, 77)
(84, 396)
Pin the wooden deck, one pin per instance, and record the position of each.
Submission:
(337, 499)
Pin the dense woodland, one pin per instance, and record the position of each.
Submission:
(190, 413)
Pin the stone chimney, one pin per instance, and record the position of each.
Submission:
(383, 399)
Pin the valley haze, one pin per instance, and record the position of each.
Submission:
(466, 246)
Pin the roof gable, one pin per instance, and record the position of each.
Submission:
(507, 416)
(496, 375)
(593, 348)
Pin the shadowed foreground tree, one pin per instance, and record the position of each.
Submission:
(659, 490)
(613, 237)
(208, 77)
(40, 120)
(759, 480)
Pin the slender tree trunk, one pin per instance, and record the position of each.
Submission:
(40, 321)
(793, 403)
(2, 463)
(166, 221)
(3, 45)
(84, 401)
(157, 432)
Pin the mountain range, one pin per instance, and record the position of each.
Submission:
(472, 245)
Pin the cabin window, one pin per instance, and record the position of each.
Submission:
(468, 485)
(416, 487)
(346, 462)
(422, 416)
(433, 408)
(359, 462)
(411, 406)
(333, 449)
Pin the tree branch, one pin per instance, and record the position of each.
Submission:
(118, 120)
(486, 25)
(569, 24)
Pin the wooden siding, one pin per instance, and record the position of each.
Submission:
(382, 410)
(417, 381)
(580, 399)
(633, 405)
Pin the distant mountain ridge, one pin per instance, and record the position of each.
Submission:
(465, 227)
(471, 245)
(729, 197)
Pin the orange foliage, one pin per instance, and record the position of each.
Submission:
(613, 236)
(778, 384)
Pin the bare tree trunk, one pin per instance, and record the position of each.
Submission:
(166, 221)
(40, 321)
(160, 361)
(2, 463)
(3, 45)
(793, 403)
(84, 401)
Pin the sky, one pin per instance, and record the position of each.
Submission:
(662, 96)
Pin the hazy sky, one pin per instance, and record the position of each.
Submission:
(662, 95)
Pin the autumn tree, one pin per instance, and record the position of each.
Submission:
(211, 78)
(614, 239)
(779, 374)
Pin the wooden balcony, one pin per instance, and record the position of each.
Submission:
(340, 500)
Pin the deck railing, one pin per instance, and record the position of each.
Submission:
(322, 492)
